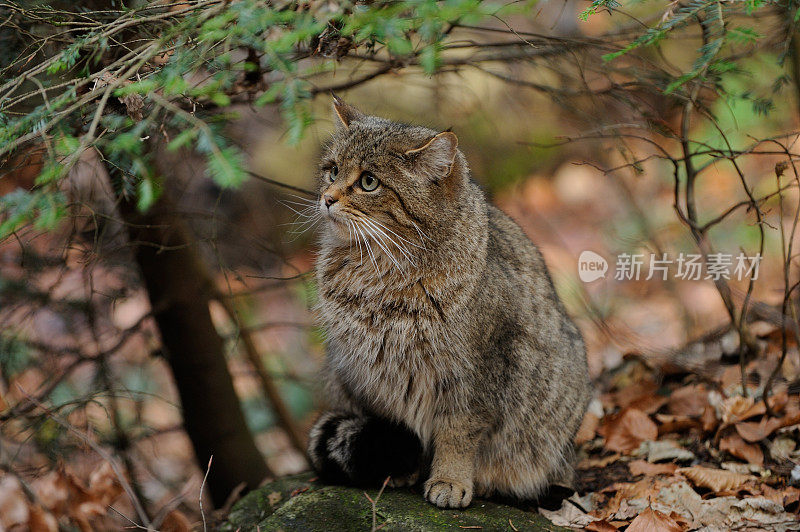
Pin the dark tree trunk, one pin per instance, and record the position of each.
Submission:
(179, 288)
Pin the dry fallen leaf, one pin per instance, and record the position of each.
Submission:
(688, 401)
(568, 515)
(602, 461)
(176, 522)
(654, 521)
(755, 431)
(625, 431)
(104, 486)
(645, 489)
(784, 496)
(41, 520)
(601, 526)
(587, 429)
(749, 452)
(734, 408)
(641, 395)
(643, 467)
(782, 447)
(714, 479)
(664, 451)
(670, 423)
(709, 419)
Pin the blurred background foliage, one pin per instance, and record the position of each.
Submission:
(577, 118)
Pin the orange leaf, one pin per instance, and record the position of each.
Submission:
(40, 520)
(626, 430)
(755, 431)
(736, 408)
(709, 419)
(654, 521)
(688, 401)
(669, 423)
(176, 522)
(714, 479)
(748, 452)
(104, 486)
(643, 467)
(587, 429)
(641, 396)
(601, 526)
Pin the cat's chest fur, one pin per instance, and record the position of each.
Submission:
(389, 341)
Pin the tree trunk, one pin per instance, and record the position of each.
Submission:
(179, 288)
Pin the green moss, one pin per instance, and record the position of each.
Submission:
(297, 504)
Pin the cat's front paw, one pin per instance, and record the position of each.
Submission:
(448, 493)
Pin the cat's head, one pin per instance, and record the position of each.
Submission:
(388, 181)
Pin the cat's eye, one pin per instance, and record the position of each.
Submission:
(369, 182)
(333, 171)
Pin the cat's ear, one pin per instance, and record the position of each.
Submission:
(436, 156)
(347, 113)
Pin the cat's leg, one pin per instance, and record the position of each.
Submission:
(455, 446)
(362, 450)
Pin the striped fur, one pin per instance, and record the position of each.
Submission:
(363, 451)
(441, 320)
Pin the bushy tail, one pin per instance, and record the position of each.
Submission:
(361, 450)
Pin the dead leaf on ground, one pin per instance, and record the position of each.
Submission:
(176, 522)
(654, 521)
(749, 452)
(688, 401)
(643, 467)
(708, 420)
(755, 431)
(714, 479)
(601, 526)
(734, 408)
(602, 461)
(645, 489)
(41, 520)
(783, 496)
(737, 409)
(664, 451)
(624, 432)
(641, 395)
(588, 428)
(669, 423)
(568, 515)
(782, 447)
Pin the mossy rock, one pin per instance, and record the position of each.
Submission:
(300, 504)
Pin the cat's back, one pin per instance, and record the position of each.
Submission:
(512, 256)
(516, 282)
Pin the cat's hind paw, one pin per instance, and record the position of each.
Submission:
(404, 481)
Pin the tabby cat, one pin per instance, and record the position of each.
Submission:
(450, 357)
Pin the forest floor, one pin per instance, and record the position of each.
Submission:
(678, 446)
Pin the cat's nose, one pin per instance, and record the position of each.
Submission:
(329, 200)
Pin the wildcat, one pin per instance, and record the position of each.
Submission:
(449, 354)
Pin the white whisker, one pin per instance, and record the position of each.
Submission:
(395, 234)
(402, 250)
(366, 244)
(379, 240)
